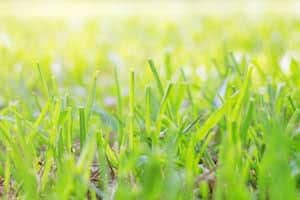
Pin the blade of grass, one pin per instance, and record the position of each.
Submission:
(82, 124)
(156, 76)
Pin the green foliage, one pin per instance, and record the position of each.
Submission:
(216, 117)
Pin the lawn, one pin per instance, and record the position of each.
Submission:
(149, 101)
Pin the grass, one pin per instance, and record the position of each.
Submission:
(196, 107)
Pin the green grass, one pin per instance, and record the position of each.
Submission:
(198, 107)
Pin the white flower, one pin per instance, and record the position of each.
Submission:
(285, 61)
(5, 40)
(56, 69)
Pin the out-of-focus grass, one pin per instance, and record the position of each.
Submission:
(209, 109)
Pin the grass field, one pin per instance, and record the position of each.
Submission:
(149, 103)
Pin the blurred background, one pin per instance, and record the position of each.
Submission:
(91, 8)
(73, 39)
